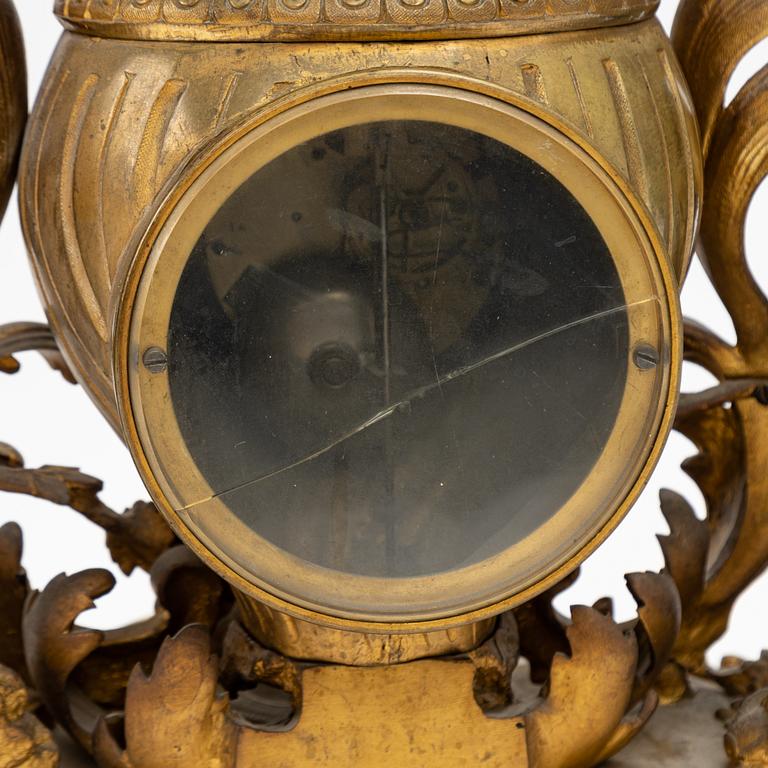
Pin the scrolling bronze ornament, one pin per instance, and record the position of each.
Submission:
(226, 675)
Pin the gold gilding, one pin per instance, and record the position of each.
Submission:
(337, 20)
(123, 128)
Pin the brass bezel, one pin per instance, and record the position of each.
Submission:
(616, 196)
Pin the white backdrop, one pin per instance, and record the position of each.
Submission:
(52, 422)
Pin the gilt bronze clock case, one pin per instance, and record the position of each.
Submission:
(241, 140)
(382, 298)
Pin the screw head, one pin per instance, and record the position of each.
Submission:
(646, 357)
(155, 360)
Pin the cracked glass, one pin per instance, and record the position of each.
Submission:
(397, 350)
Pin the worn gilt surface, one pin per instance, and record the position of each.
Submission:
(153, 698)
(118, 122)
(13, 98)
(336, 20)
(190, 686)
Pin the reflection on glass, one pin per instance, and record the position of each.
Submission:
(398, 349)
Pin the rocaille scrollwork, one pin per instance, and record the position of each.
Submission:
(192, 686)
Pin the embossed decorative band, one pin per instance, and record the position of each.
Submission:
(244, 20)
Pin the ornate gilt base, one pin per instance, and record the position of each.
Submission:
(192, 686)
(689, 733)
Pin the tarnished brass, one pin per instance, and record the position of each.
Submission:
(595, 699)
(335, 20)
(13, 98)
(712, 562)
(746, 739)
(309, 641)
(123, 128)
(23, 739)
(218, 679)
(228, 544)
(112, 143)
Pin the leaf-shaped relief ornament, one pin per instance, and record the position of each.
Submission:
(14, 589)
(746, 739)
(588, 693)
(175, 716)
(713, 561)
(24, 337)
(55, 646)
(24, 741)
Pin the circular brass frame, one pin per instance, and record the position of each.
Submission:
(176, 228)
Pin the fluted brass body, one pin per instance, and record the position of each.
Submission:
(121, 122)
(117, 121)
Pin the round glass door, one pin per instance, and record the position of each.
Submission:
(396, 354)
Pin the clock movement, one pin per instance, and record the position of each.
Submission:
(383, 298)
